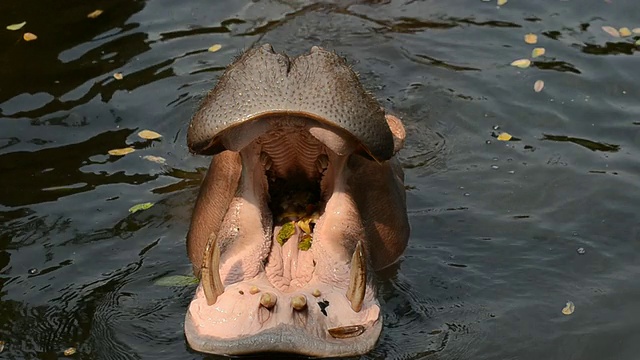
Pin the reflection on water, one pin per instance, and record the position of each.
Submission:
(495, 225)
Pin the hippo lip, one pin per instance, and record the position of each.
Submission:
(259, 295)
(318, 85)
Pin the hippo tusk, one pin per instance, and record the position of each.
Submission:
(210, 270)
(358, 283)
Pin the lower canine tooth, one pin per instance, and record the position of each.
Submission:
(268, 300)
(210, 272)
(358, 283)
(299, 302)
(345, 332)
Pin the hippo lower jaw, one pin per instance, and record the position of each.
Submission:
(258, 295)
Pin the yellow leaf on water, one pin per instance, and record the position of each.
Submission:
(70, 351)
(637, 43)
(140, 207)
(149, 135)
(118, 76)
(121, 152)
(569, 308)
(501, 2)
(504, 136)
(611, 31)
(14, 27)
(538, 86)
(531, 38)
(522, 63)
(537, 52)
(624, 31)
(29, 36)
(94, 14)
(215, 48)
(155, 159)
(636, 31)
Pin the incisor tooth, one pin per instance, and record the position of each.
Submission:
(299, 302)
(345, 332)
(358, 283)
(210, 272)
(268, 300)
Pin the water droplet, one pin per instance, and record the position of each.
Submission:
(496, 127)
(581, 251)
(488, 142)
(495, 159)
(466, 194)
(512, 172)
(495, 167)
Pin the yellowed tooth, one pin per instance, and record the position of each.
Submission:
(358, 283)
(345, 332)
(299, 302)
(210, 272)
(268, 300)
(316, 293)
(254, 290)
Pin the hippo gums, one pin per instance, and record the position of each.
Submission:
(303, 200)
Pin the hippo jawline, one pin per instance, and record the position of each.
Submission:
(296, 209)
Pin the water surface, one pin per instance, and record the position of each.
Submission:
(496, 225)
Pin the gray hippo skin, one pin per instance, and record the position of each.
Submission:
(302, 202)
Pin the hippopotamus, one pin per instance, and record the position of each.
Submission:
(302, 203)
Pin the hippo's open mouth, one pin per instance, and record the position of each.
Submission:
(285, 231)
(290, 275)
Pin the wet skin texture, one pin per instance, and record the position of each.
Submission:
(295, 143)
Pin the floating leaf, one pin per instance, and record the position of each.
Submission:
(501, 2)
(305, 242)
(29, 36)
(569, 308)
(121, 152)
(149, 135)
(611, 31)
(504, 136)
(155, 159)
(70, 351)
(537, 52)
(14, 27)
(177, 281)
(531, 38)
(624, 31)
(286, 231)
(522, 63)
(1, 345)
(637, 42)
(636, 31)
(215, 48)
(118, 76)
(140, 207)
(94, 14)
(538, 86)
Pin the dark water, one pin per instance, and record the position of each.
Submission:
(495, 226)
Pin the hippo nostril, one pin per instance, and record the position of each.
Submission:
(268, 300)
(299, 302)
(269, 48)
(345, 332)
